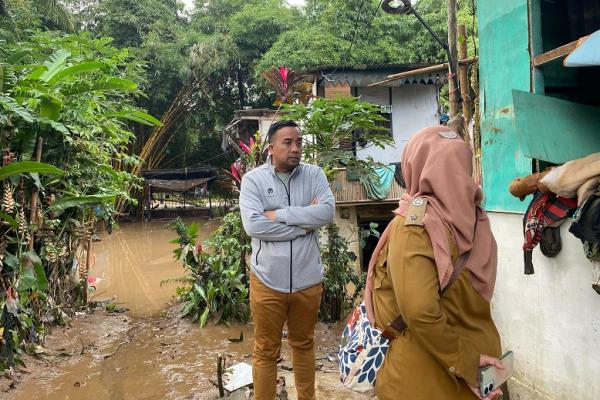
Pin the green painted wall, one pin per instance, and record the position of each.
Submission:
(504, 64)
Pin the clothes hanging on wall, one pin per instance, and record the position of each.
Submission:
(545, 210)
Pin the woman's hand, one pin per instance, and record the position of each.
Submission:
(484, 361)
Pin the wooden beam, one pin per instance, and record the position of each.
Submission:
(420, 71)
(554, 54)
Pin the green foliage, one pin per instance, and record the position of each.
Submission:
(338, 275)
(23, 167)
(332, 123)
(69, 97)
(216, 271)
(353, 32)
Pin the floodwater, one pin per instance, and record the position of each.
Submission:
(132, 263)
(148, 353)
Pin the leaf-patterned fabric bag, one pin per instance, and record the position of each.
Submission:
(361, 352)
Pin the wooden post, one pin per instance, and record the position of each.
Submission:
(463, 74)
(35, 191)
(209, 203)
(452, 90)
(220, 371)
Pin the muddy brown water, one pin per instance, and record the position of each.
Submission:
(150, 353)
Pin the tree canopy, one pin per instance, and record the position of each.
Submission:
(260, 34)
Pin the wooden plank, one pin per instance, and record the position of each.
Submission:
(555, 130)
(554, 54)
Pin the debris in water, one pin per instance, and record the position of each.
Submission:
(238, 376)
(234, 340)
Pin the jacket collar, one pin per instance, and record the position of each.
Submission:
(271, 167)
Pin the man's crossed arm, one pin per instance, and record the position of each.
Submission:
(286, 223)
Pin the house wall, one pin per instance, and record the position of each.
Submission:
(264, 123)
(504, 65)
(550, 320)
(413, 108)
(349, 230)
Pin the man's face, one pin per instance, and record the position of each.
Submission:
(286, 148)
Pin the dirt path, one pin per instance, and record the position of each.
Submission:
(149, 352)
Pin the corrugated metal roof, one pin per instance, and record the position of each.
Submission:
(364, 78)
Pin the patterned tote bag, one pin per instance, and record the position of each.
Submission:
(361, 352)
(363, 346)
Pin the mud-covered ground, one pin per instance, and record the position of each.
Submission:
(148, 352)
(105, 355)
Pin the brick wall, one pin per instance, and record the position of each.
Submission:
(333, 90)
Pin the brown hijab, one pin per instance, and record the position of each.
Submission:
(437, 166)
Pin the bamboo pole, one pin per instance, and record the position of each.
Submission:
(452, 89)
(463, 74)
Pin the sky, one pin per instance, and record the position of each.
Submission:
(190, 3)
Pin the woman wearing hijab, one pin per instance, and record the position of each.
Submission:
(446, 332)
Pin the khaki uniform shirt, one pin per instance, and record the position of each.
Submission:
(446, 333)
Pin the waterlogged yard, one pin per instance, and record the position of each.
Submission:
(148, 352)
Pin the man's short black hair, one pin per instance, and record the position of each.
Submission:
(278, 125)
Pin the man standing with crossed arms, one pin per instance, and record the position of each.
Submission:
(283, 203)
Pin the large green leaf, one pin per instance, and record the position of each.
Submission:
(17, 56)
(13, 222)
(24, 167)
(30, 262)
(12, 107)
(37, 71)
(27, 280)
(204, 317)
(7, 75)
(81, 201)
(50, 107)
(136, 116)
(74, 70)
(120, 84)
(55, 63)
(56, 125)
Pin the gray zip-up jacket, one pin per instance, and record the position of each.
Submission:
(285, 252)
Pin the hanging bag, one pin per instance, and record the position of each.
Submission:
(363, 346)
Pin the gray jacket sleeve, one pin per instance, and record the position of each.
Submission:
(256, 224)
(315, 216)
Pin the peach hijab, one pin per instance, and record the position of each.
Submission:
(437, 166)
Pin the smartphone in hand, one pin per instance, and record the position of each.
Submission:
(491, 378)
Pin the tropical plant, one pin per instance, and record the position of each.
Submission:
(289, 87)
(216, 271)
(65, 101)
(339, 274)
(334, 127)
